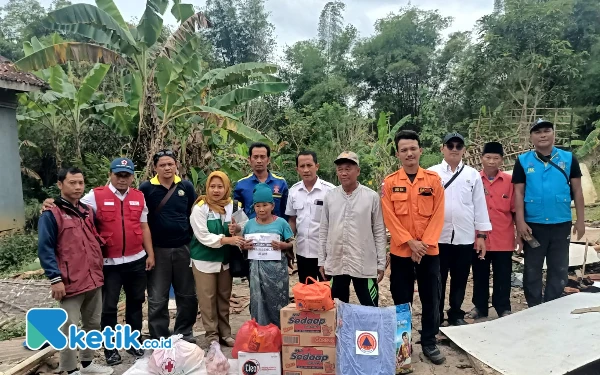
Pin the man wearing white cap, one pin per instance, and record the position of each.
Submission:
(352, 235)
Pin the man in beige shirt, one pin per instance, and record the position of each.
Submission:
(352, 235)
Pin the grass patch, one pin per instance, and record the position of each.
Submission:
(12, 330)
(17, 250)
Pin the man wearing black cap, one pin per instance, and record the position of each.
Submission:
(500, 242)
(170, 201)
(121, 217)
(546, 180)
(465, 213)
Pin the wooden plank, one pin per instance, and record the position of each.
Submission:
(30, 362)
(12, 351)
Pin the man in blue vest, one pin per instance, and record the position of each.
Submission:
(259, 158)
(546, 180)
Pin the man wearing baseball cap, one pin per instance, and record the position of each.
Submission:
(546, 179)
(352, 235)
(121, 217)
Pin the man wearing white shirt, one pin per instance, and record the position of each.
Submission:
(465, 212)
(121, 217)
(304, 207)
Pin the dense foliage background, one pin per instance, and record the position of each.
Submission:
(213, 85)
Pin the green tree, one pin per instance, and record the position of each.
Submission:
(114, 41)
(331, 24)
(395, 64)
(19, 21)
(240, 32)
(66, 108)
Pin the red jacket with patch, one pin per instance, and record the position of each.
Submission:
(77, 251)
(119, 222)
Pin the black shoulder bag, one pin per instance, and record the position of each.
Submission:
(239, 265)
(453, 177)
(549, 161)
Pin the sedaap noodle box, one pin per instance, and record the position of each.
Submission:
(308, 360)
(307, 328)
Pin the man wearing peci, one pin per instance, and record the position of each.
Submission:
(500, 243)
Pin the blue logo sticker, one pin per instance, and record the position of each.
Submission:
(43, 326)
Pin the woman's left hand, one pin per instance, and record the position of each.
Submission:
(278, 245)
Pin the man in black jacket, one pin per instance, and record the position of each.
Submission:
(170, 200)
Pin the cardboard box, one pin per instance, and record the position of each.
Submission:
(308, 360)
(259, 363)
(307, 328)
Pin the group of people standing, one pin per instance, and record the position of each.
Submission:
(442, 221)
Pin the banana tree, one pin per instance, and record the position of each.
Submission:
(66, 104)
(113, 41)
(198, 123)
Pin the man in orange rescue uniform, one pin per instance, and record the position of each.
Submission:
(413, 211)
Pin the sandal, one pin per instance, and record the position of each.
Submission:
(475, 314)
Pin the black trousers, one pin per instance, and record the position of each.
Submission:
(172, 267)
(501, 262)
(366, 289)
(554, 242)
(308, 267)
(456, 260)
(132, 278)
(402, 285)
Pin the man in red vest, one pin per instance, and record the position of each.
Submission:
(70, 254)
(122, 221)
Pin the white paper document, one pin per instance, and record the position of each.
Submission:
(263, 250)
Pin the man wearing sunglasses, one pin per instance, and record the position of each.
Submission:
(170, 200)
(546, 180)
(465, 213)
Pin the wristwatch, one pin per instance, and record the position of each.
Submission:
(482, 235)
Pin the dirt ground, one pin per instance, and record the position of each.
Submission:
(457, 362)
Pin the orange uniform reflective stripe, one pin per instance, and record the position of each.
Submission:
(413, 210)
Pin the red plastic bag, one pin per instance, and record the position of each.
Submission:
(313, 297)
(253, 338)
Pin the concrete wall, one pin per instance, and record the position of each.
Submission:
(12, 208)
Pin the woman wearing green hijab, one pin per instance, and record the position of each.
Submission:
(269, 279)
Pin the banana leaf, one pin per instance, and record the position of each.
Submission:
(233, 98)
(91, 82)
(91, 22)
(182, 12)
(59, 54)
(111, 8)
